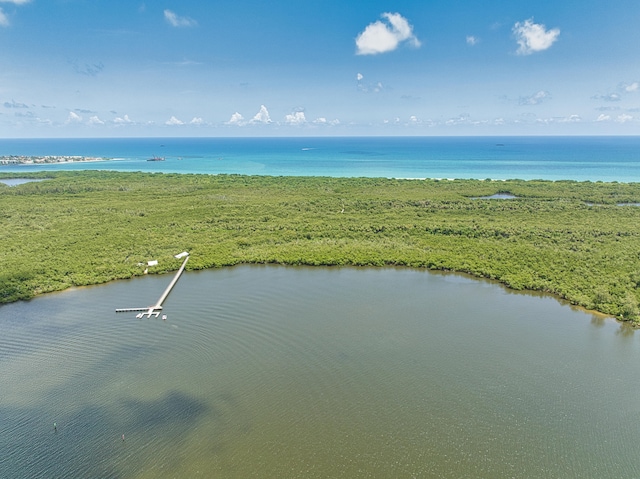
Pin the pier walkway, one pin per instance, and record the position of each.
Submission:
(156, 308)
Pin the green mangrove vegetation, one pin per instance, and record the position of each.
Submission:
(577, 240)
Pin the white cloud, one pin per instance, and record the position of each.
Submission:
(571, 119)
(125, 120)
(4, 20)
(262, 116)
(534, 99)
(560, 119)
(94, 120)
(236, 119)
(173, 121)
(359, 77)
(471, 40)
(196, 121)
(295, 118)
(460, 120)
(632, 87)
(624, 118)
(603, 117)
(608, 97)
(73, 118)
(533, 37)
(380, 37)
(177, 21)
(323, 121)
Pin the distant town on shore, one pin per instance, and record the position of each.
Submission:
(28, 160)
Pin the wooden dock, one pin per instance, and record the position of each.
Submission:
(156, 308)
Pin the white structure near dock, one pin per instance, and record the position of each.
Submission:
(156, 308)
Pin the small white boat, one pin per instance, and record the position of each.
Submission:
(164, 317)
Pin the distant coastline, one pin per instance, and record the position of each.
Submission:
(548, 158)
(36, 160)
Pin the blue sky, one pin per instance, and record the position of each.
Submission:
(101, 68)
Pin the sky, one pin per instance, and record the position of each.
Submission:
(128, 68)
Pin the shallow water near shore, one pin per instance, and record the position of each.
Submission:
(550, 158)
(264, 371)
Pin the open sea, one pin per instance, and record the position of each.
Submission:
(550, 158)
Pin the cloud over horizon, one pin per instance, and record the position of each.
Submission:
(295, 118)
(381, 37)
(262, 116)
(173, 121)
(533, 37)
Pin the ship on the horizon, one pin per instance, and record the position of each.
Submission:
(156, 158)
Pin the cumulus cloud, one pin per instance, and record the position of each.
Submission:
(177, 21)
(196, 121)
(94, 120)
(385, 36)
(471, 40)
(632, 87)
(624, 118)
(603, 117)
(173, 121)
(359, 77)
(533, 37)
(323, 121)
(236, 119)
(262, 116)
(73, 118)
(125, 120)
(534, 99)
(295, 118)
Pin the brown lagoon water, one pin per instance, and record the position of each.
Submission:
(280, 372)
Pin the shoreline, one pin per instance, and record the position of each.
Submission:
(7, 160)
(568, 239)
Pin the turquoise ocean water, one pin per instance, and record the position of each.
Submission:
(551, 158)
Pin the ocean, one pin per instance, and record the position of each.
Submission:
(549, 158)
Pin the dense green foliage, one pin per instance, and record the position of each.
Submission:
(580, 241)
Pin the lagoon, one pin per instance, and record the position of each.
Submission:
(265, 371)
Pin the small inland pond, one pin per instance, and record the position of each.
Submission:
(283, 372)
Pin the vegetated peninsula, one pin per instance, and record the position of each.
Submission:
(33, 160)
(577, 240)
